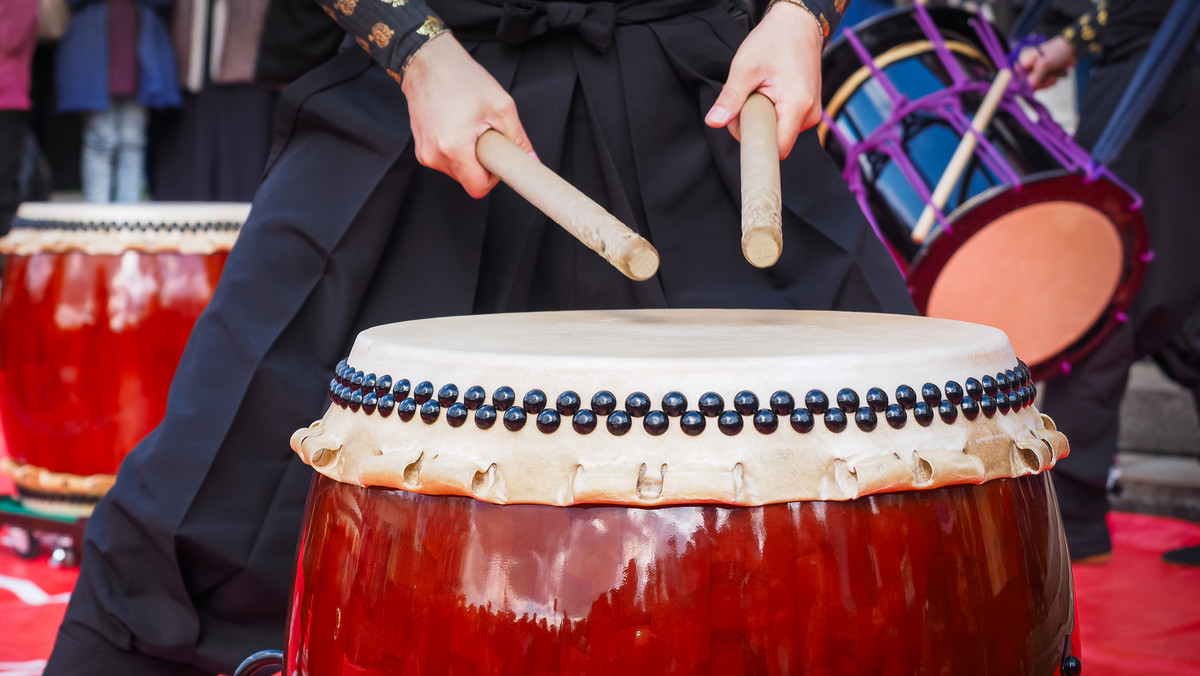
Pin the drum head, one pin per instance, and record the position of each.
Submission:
(1053, 264)
(757, 407)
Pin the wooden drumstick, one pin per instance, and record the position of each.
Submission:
(762, 205)
(599, 230)
(966, 148)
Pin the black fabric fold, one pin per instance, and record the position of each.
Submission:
(519, 21)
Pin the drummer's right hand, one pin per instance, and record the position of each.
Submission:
(1047, 62)
(452, 100)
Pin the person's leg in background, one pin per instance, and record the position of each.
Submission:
(99, 147)
(12, 133)
(131, 149)
(1085, 405)
(1180, 360)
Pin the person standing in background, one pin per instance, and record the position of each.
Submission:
(215, 146)
(1159, 161)
(18, 37)
(114, 62)
(302, 37)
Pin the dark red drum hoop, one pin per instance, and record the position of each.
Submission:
(1056, 186)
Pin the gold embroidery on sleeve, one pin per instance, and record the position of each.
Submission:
(431, 27)
(396, 76)
(381, 35)
(395, 3)
(1087, 33)
(364, 44)
(346, 7)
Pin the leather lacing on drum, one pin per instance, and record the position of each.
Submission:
(1004, 392)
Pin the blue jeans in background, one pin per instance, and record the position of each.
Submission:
(114, 152)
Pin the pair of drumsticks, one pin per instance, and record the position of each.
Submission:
(627, 251)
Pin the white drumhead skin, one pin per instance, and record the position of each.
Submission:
(136, 213)
(183, 227)
(692, 352)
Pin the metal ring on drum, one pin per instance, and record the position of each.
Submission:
(1032, 238)
(681, 491)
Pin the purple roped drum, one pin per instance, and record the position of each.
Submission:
(1034, 238)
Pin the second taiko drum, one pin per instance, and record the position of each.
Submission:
(97, 304)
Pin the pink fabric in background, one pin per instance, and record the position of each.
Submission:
(18, 38)
(122, 48)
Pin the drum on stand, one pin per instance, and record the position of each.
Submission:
(1033, 238)
(97, 304)
(680, 491)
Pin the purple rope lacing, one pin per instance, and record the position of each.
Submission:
(886, 137)
(930, 29)
(947, 103)
(953, 112)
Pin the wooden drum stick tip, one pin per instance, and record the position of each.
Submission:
(643, 263)
(762, 248)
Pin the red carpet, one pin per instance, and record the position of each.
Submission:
(1140, 617)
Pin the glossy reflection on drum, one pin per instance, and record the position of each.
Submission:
(1032, 237)
(683, 492)
(97, 304)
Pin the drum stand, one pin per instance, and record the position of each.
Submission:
(28, 533)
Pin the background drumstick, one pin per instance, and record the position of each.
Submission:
(599, 230)
(966, 148)
(762, 229)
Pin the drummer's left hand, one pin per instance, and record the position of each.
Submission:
(781, 59)
(1048, 61)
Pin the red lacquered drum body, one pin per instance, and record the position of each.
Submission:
(681, 492)
(961, 579)
(97, 305)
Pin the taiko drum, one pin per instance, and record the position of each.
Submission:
(681, 492)
(1033, 237)
(97, 304)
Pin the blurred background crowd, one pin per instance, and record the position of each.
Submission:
(126, 100)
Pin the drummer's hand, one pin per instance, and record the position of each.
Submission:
(452, 100)
(780, 58)
(1048, 61)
